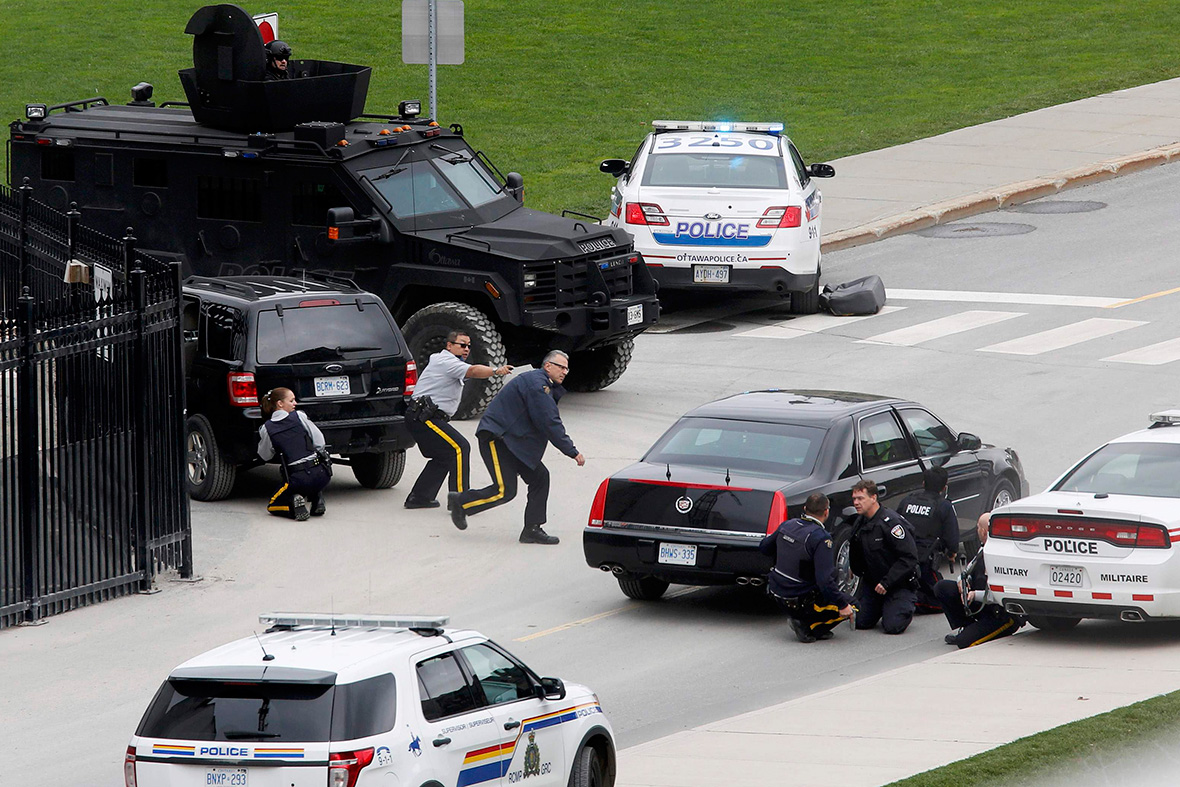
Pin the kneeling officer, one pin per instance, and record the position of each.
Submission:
(804, 579)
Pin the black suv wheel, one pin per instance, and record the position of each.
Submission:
(207, 475)
(426, 333)
(378, 471)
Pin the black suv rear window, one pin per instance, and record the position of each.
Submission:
(312, 334)
(211, 710)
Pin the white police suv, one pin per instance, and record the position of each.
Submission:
(367, 701)
(723, 206)
(1101, 541)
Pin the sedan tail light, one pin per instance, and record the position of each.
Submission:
(411, 377)
(1122, 534)
(345, 766)
(598, 509)
(646, 213)
(780, 216)
(129, 767)
(778, 513)
(242, 390)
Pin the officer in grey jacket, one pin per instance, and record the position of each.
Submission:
(513, 434)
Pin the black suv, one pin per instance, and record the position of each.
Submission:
(274, 178)
(334, 345)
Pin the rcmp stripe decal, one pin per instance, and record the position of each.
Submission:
(493, 762)
(179, 751)
(266, 754)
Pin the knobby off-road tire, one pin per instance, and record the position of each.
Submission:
(593, 370)
(378, 471)
(642, 588)
(207, 475)
(426, 333)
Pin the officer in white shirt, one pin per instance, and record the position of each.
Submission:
(436, 397)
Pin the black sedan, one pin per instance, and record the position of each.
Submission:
(693, 510)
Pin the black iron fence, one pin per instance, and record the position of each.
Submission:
(92, 495)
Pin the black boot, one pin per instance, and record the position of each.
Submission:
(533, 534)
(299, 508)
(318, 508)
(458, 515)
(418, 502)
(801, 631)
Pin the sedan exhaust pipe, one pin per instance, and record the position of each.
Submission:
(618, 571)
(1131, 616)
(743, 580)
(754, 582)
(1014, 608)
(605, 567)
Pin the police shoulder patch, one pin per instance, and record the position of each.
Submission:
(828, 543)
(897, 532)
(545, 388)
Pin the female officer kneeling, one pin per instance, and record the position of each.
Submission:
(299, 445)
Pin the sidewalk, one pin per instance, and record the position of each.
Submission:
(900, 723)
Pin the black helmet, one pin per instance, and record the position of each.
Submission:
(278, 50)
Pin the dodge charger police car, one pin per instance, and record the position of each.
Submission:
(1099, 542)
(725, 206)
(364, 700)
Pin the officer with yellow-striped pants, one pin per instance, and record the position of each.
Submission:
(436, 397)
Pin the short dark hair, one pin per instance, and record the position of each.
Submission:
(816, 504)
(453, 336)
(866, 486)
(934, 479)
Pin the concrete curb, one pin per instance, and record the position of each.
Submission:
(1001, 197)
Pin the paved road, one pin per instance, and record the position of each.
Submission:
(82, 680)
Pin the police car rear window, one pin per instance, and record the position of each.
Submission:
(1146, 469)
(210, 710)
(715, 170)
(315, 334)
(783, 450)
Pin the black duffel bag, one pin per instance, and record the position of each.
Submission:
(861, 296)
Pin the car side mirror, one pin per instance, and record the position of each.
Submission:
(969, 442)
(514, 185)
(345, 227)
(551, 689)
(613, 166)
(821, 171)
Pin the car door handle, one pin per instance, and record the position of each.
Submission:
(441, 742)
(511, 725)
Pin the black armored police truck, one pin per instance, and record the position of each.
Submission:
(290, 177)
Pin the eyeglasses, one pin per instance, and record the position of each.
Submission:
(559, 366)
(464, 345)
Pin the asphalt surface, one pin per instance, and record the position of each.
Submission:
(85, 677)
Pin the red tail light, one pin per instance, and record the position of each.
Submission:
(646, 213)
(778, 512)
(598, 509)
(345, 766)
(780, 216)
(411, 377)
(129, 767)
(1123, 534)
(320, 302)
(242, 390)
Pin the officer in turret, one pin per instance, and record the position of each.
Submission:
(277, 55)
(885, 557)
(936, 529)
(804, 579)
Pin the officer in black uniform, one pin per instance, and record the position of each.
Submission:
(885, 557)
(804, 579)
(300, 446)
(277, 56)
(968, 607)
(936, 529)
(513, 434)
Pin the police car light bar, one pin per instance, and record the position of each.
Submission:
(1169, 417)
(709, 125)
(342, 620)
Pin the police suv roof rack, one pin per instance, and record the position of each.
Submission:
(715, 125)
(237, 288)
(1165, 418)
(425, 625)
(339, 282)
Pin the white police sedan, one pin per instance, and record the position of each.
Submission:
(1101, 541)
(723, 206)
(367, 701)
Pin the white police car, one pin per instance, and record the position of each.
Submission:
(1101, 541)
(725, 206)
(367, 701)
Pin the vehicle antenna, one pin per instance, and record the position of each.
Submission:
(727, 476)
(333, 606)
(669, 473)
(265, 656)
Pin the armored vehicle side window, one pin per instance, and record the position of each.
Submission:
(498, 677)
(150, 173)
(469, 177)
(414, 189)
(57, 164)
(225, 333)
(310, 203)
(444, 689)
(229, 199)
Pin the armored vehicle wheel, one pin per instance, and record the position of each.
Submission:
(378, 471)
(426, 333)
(593, 370)
(207, 475)
(642, 588)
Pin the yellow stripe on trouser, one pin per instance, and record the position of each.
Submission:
(1009, 624)
(825, 608)
(499, 479)
(458, 456)
(271, 505)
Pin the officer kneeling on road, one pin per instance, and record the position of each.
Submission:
(301, 448)
(936, 528)
(436, 397)
(885, 557)
(968, 605)
(804, 579)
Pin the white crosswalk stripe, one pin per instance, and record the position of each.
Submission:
(812, 323)
(1151, 355)
(1062, 337)
(943, 326)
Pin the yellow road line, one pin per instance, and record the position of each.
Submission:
(1159, 294)
(599, 616)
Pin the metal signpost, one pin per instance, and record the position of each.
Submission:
(432, 34)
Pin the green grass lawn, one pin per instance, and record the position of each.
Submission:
(549, 89)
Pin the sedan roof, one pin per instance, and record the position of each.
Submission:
(820, 408)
